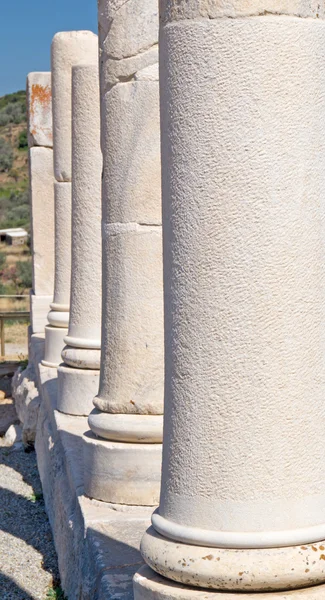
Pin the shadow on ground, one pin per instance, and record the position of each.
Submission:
(24, 528)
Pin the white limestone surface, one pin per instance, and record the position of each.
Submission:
(54, 342)
(85, 309)
(213, 9)
(83, 358)
(69, 48)
(235, 569)
(25, 391)
(39, 109)
(131, 147)
(39, 308)
(76, 389)
(148, 585)
(61, 299)
(41, 181)
(243, 155)
(143, 429)
(97, 543)
(121, 472)
(132, 346)
(128, 38)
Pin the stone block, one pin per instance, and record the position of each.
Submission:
(148, 585)
(69, 48)
(196, 9)
(133, 329)
(122, 473)
(39, 109)
(97, 543)
(54, 344)
(119, 71)
(39, 308)
(76, 389)
(131, 147)
(42, 219)
(117, 19)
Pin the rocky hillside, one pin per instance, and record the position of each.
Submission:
(15, 262)
(14, 207)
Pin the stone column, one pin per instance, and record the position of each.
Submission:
(242, 508)
(122, 464)
(40, 142)
(78, 377)
(69, 48)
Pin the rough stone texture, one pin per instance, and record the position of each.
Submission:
(244, 279)
(132, 346)
(85, 309)
(213, 9)
(122, 54)
(13, 436)
(62, 276)
(42, 219)
(76, 389)
(150, 586)
(131, 147)
(69, 48)
(39, 108)
(243, 174)
(249, 570)
(97, 543)
(25, 391)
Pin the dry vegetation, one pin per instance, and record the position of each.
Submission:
(15, 261)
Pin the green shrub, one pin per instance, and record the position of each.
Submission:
(24, 274)
(6, 156)
(2, 260)
(13, 108)
(22, 139)
(14, 211)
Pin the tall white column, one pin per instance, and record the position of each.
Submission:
(40, 142)
(242, 505)
(69, 48)
(122, 464)
(78, 377)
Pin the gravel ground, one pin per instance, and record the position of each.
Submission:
(28, 562)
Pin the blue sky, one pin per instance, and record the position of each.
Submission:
(26, 31)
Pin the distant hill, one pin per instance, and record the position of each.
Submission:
(15, 262)
(14, 202)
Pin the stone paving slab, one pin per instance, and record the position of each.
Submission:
(97, 543)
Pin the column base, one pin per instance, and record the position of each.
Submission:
(82, 358)
(141, 429)
(232, 570)
(39, 308)
(122, 473)
(148, 585)
(54, 343)
(58, 318)
(76, 390)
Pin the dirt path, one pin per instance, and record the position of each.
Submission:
(28, 562)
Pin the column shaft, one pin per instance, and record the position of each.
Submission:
(69, 48)
(78, 377)
(125, 465)
(243, 171)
